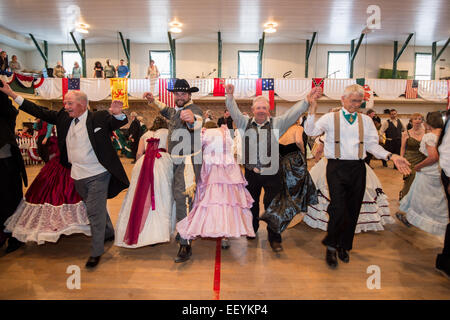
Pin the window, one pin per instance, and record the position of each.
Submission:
(68, 59)
(338, 64)
(248, 64)
(423, 66)
(163, 61)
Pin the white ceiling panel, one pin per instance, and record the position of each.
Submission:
(239, 21)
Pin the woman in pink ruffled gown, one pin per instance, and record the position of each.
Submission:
(51, 207)
(222, 204)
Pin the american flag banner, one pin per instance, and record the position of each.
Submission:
(411, 89)
(70, 84)
(164, 95)
(266, 86)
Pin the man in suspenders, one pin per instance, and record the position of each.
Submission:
(348, 136)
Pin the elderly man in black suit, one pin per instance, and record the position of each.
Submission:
(12, 170)
(84, 140)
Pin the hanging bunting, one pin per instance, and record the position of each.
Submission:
(411, 89)
(69, 85)
(219, 87)
(164, 95)
(368, 94)
(317, 82)
(119, 90)
(266, 87)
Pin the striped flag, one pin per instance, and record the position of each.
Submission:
(411, 89)
(164, 95)
(69, 84)
(219, 89)
(266, 86)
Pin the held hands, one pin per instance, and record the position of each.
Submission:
(44, 141)
(187, 116)
(149, 97)
(314, 94)
(402, 164)
(229, 89)
(116, 107)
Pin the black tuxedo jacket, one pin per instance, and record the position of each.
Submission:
(8, 115)
(100, 140)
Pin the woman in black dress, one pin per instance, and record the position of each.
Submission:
(298, 189)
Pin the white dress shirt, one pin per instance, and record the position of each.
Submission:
(80, 153)
(349, 139)
(444, 151)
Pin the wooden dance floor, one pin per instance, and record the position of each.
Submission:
(248, 269)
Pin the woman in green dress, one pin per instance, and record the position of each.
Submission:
(410, 150)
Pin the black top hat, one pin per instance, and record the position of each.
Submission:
(181, 85)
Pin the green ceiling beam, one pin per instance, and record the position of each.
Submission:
(308, 52)
(173, 55)
(219, 62)
(44, 54)
(435, 57)
(397, 55)
(260, 55)
(81, 51)
(354, 52)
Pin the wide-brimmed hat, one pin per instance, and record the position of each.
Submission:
(181, 85)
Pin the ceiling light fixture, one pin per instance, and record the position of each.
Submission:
(270, 24)
(175, 30)
(81, 30)
(269, 27)
(82, 27)
(175, 23)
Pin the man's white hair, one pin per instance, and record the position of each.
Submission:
(354, 89)
(260, 98)
(80, 96)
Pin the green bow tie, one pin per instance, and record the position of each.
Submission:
(350, 117)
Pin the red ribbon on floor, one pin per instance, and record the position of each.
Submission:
(216, 287)
(141, 201)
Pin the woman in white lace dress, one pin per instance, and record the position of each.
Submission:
(374, 212)
(146, 214)
(425, 204)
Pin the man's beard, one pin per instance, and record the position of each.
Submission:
(180, 103)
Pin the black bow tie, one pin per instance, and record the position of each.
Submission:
(76, 121)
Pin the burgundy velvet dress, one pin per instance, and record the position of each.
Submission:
(51, 206)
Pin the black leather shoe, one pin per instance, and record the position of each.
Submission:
(3, 239)
(184, 253)
(109, 238)
(92, 262)
(13, 245)
(402, 218)
(343, 255)
(225, 244)
(251, 238)
(331, 259)
(443, 265)
(276, 246)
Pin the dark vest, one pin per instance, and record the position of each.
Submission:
(393, 132)
(251, 145)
